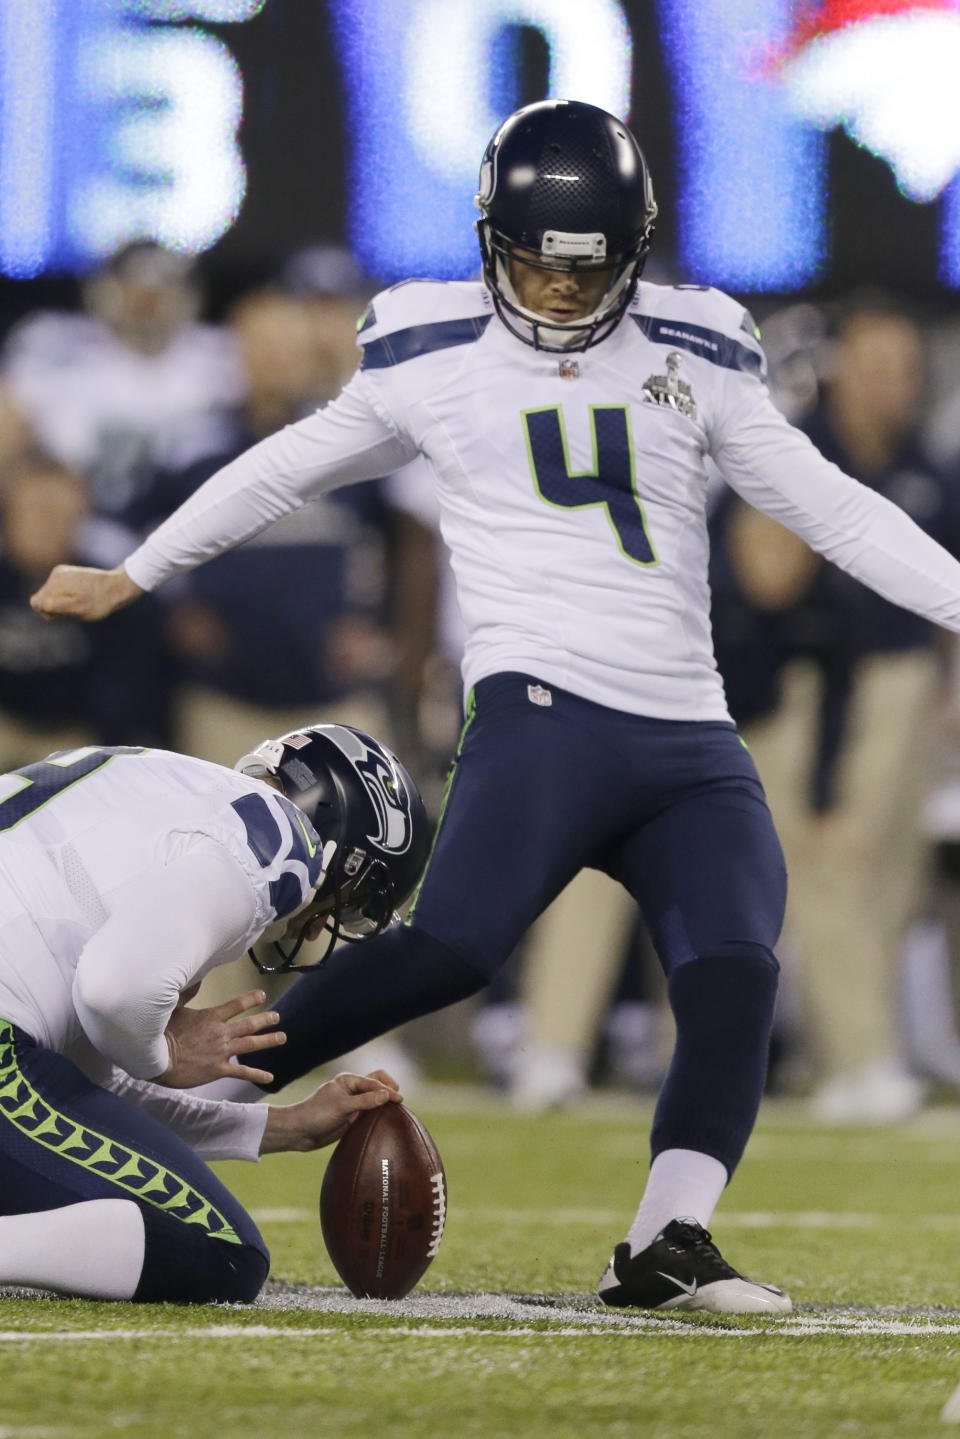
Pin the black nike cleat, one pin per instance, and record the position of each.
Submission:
(684, 1269)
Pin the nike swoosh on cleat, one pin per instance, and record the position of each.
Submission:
(690, 1289)
(311, 847)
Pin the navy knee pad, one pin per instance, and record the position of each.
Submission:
(184, 1264)
(723, 1005)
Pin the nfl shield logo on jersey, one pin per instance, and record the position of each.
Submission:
(569, 369)
(537, 695)
(670, 391)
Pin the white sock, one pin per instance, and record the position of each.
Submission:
(94, 1249)
(683, 1184)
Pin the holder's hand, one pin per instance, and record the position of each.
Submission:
(328, 1113)
(202, 1042)
(84, 593)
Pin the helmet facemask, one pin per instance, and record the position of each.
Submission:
(361, 907)
(535, 329)
(361, 901)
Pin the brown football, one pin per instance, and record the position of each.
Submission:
(383, 1203)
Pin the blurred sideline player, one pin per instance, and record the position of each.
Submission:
(43, 508)
(259, 656)
(125, 876)
(66, 685)
(836, 692)
(331, 292)
(109, 391)
(566, 411)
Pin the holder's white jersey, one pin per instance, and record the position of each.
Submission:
(126, 875)
(572, 487)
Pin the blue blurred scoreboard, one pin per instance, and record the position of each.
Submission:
(129, 118)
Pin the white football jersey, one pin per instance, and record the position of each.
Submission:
(413, 490)
(109, 411)
(88, 839)
(572, 487)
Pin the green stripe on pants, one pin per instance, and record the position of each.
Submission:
(471, 711)
(144, 1179)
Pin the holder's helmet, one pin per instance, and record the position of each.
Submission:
(568, 184)
(357, 795)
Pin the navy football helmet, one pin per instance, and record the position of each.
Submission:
(567, 183)
(358, 796)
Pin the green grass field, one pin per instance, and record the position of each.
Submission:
(862, 1227)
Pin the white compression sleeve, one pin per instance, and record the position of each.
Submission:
(349, 440)
(94, 1249)
(213, 1128)
(779, 471)
(241, 1091)
(164, 930)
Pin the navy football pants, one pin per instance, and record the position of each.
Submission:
(64, 1140)
(674, 810)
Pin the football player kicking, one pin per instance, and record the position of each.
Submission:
(566, 410)
(126, 875)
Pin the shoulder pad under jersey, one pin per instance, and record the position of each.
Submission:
(420, 317)
(703, 321)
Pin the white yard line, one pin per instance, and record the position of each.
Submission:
(633, 1328)
(456, 1316)
(282, 1214)
(735, 1219)
(32, 1431)
(237, 1331)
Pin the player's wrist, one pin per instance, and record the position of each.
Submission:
(284, 1130)
(124, 590)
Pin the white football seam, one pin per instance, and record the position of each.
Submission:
(439, 1213)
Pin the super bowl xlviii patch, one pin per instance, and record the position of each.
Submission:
(537, 695)
(670, 391)
(569, 369)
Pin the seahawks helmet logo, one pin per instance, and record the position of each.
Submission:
(391, 803)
